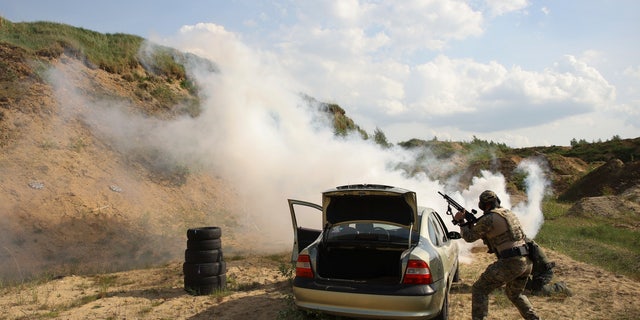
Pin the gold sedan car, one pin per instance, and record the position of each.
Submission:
(378, 255)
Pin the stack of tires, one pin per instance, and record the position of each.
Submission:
(204, 268)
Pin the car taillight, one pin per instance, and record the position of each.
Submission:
(303, 266)
(417, 272)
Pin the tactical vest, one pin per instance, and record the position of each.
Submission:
(514, 229)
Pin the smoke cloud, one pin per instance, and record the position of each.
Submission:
(530, 212)
(258, 133)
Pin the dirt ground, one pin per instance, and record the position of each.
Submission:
(259, 288)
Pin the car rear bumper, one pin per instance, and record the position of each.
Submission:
(415, 302)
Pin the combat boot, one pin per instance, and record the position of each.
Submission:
(561, 288)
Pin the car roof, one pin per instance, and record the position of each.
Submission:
(369, 202)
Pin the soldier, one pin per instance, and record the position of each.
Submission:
(502, 232)
(542, 269)
(542, 273)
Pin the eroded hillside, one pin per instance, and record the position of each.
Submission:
(70, 200)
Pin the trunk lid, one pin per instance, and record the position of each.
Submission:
(369, 202)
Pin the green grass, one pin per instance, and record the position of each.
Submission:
(553, 210)
(115, 53)
(158, 71)
(605, 242)
(111, 52)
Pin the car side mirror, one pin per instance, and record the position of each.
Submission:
(454, 235)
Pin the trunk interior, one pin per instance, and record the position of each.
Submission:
(360, 263)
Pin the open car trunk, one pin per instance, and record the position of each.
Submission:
(362, 263)
(353, 250)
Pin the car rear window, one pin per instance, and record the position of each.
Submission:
(367, 231)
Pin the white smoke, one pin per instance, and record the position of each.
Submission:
(530, 212)
(486, 181)
(261, 138)
(256, 132)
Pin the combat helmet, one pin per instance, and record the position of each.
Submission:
(489, 196)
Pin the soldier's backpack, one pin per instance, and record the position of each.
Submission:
(542, 271)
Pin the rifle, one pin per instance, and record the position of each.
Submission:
(469, 216)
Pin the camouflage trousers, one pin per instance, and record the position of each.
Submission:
(512, 272)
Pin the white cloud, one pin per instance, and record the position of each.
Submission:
(449, 86)
(347, 10)
(429, 24)
(355, 54)
(545, 11)
(465, 95)
(405, 26)
(523, 98)
(386, 63)
(593, 57)
(632, 71)
(446, 86)
(580, 82)
(631, 114)
(501, 7)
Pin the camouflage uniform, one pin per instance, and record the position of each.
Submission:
(542, 273)
(501, 231)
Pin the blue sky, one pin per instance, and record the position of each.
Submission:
(521, 72)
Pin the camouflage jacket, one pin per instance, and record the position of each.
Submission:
(499, 228)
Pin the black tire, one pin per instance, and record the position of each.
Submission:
(205, 233)
(202, 256)
(213, 280)
(203, 270)
(205, 285)
(212, 244)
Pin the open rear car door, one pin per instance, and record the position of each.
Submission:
(303, 235)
